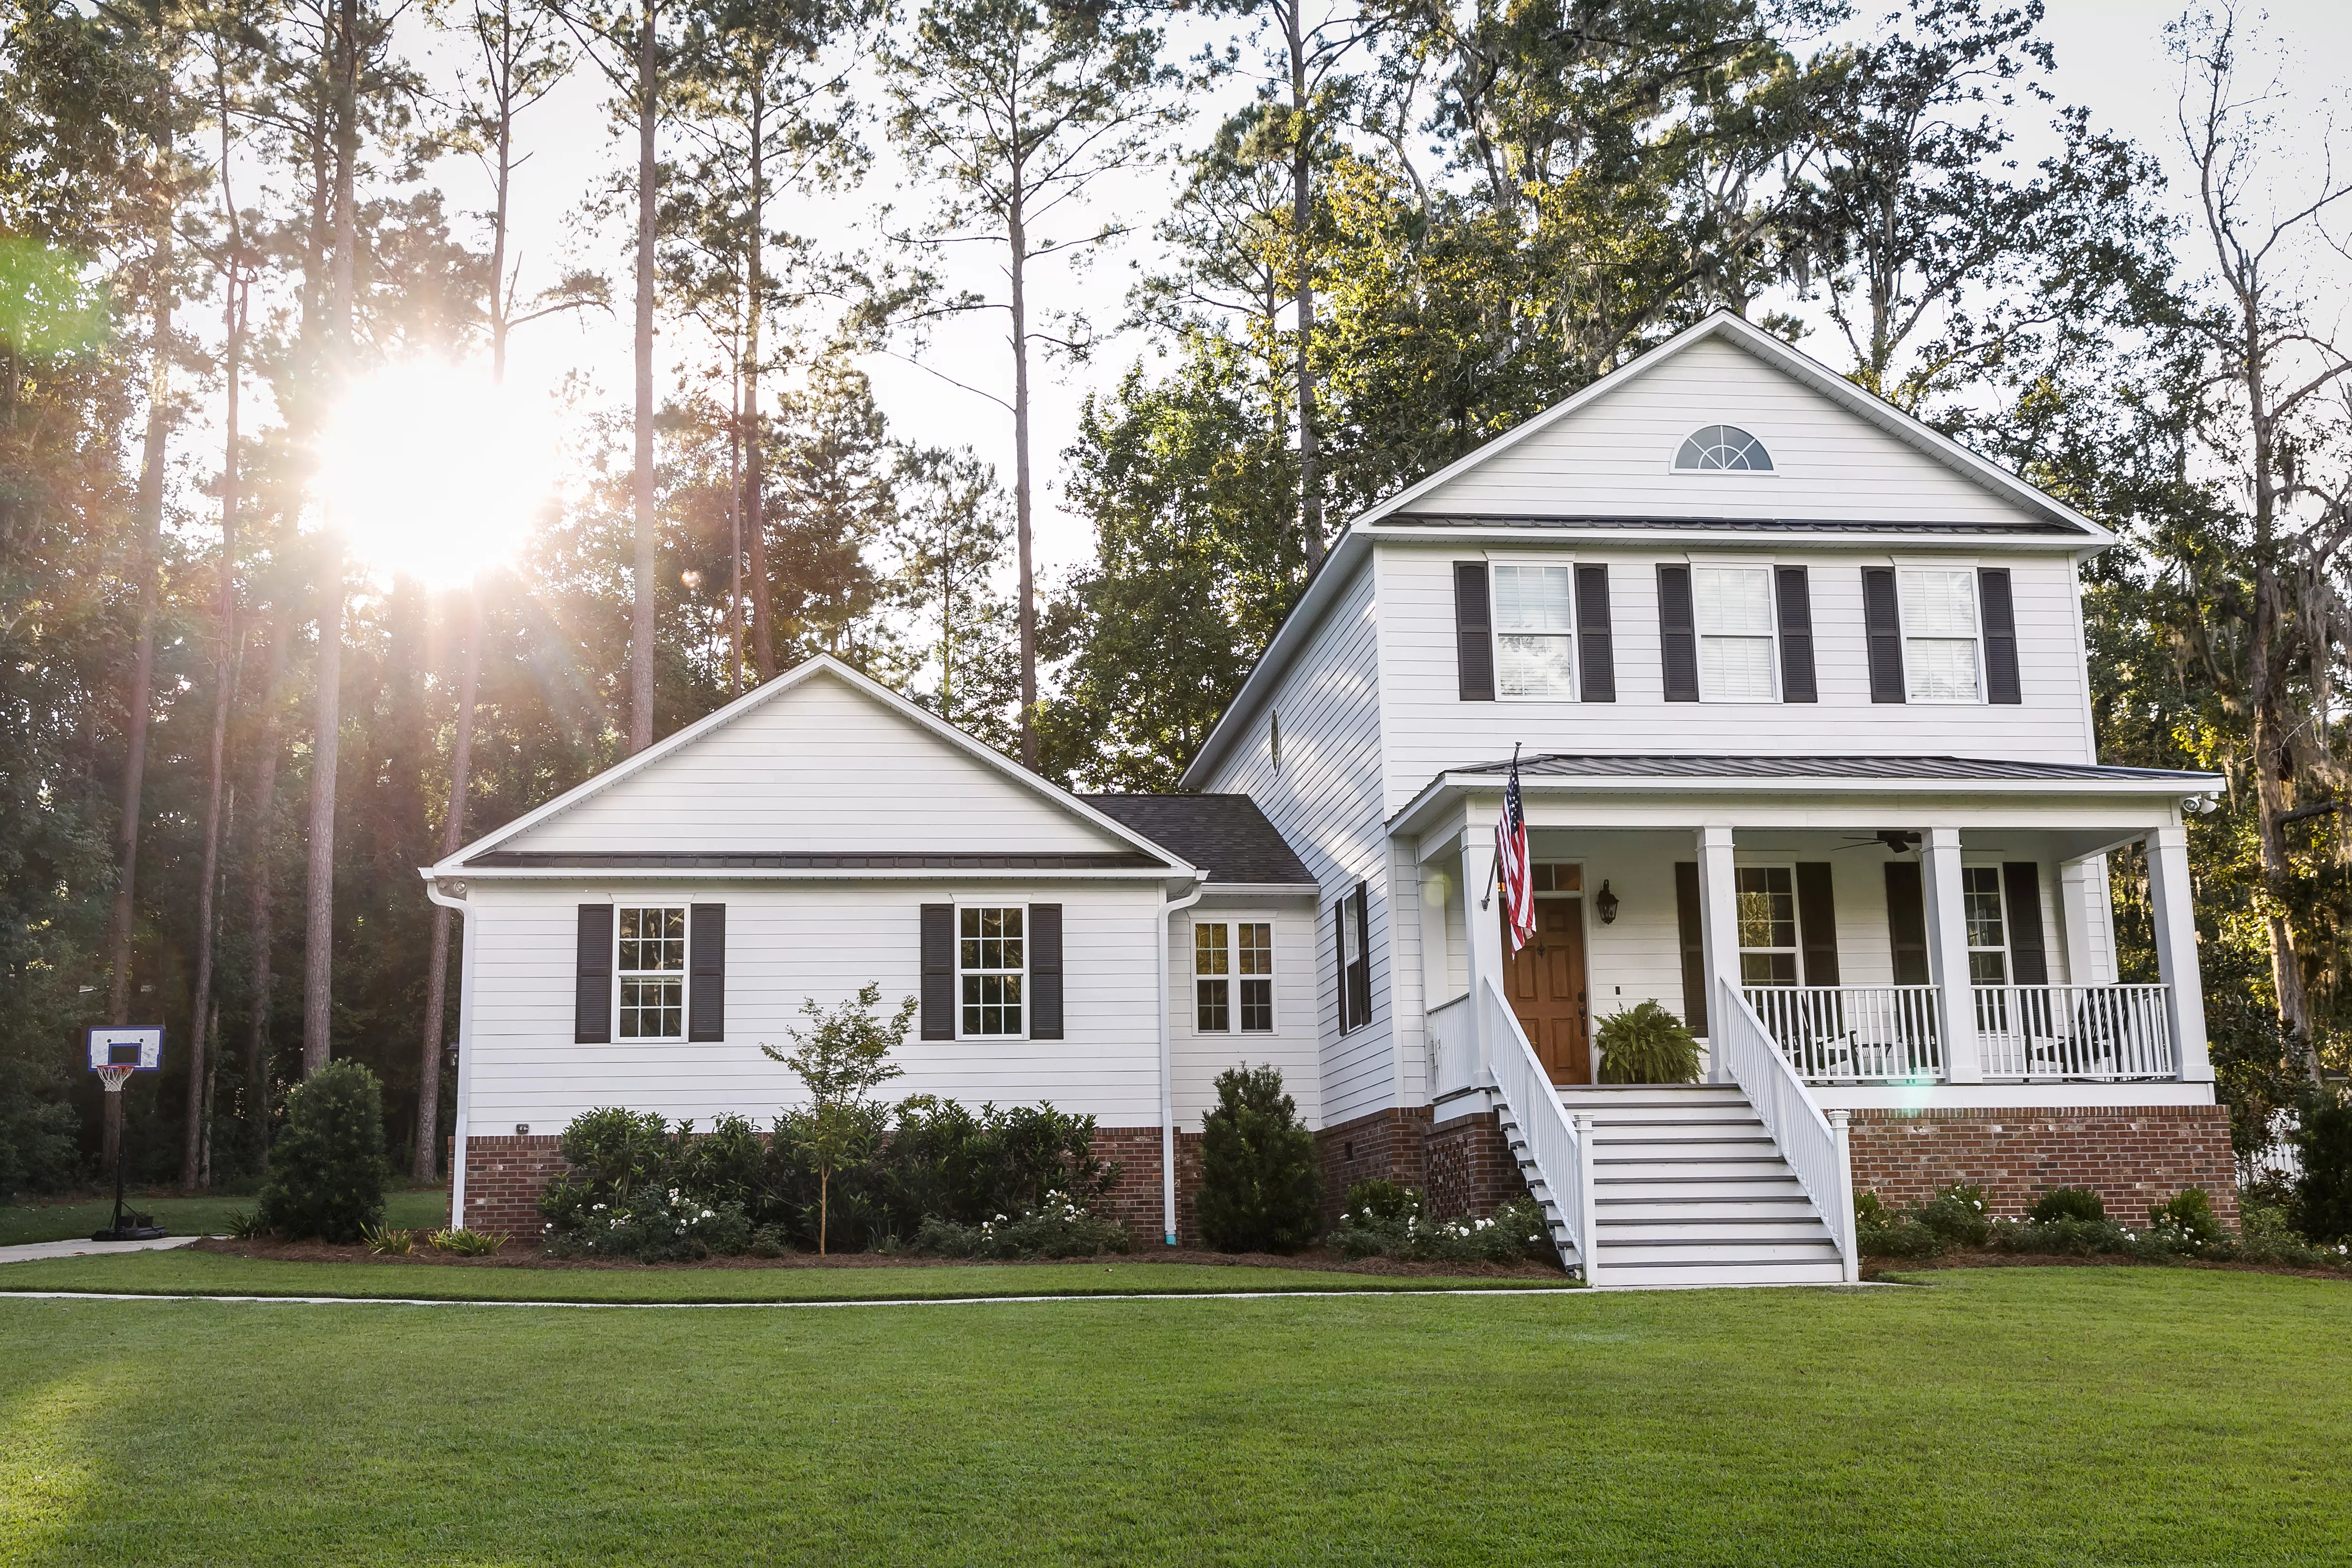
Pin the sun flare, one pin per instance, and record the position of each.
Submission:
(433, 472)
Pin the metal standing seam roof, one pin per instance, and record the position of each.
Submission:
(1717, 524)
(1929, 769)
(785, 861)
(1226, 835)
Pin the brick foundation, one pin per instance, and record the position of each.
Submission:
(504, 1176)
(1390, 1145)
(2132, 1156)
(1470, 1168)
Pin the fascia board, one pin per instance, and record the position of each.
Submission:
(1453, 535)
(451, 871)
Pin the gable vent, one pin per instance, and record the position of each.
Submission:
(1722, 448)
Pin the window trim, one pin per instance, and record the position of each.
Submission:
(1565, 562)
(1905, 635)
(1771, 635)
(957, 971)
(1796, 951)
(685, 974)
(1229, 918)
(1673, 459)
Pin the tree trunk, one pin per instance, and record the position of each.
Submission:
(824, 1205)
(1302, 217)
(735, 536)
(641, 619)
(426, 1166)
(140, 695)
(192, 1155)
(265, 807)
(499, 303)
(1017, 235)
(764, 645)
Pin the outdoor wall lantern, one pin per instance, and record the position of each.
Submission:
(1606, 904)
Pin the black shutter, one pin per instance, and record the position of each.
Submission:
(1596, 650)
(2029, 959)
(939, 971)
(705, 984)
(1691, 920)
(1794, 593)
(1360, 998)
(592, 992)
(1044, 972)
(1817, 922)
(1677, 633)
(2001, 640)
(1340, 957)
(1882, 627)
(1473, 624)
(1907, 922)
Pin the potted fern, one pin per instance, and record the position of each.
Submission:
(1647, 1045)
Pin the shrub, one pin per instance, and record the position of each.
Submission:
(247, 1225)
(2323, 1193)
(1881, 1232)
(1647, 1045)
(2062, 1237)
(2067, 1203)
(1057, 1226)
(964, 1166)
(1958, 1216)
(467, 1242)
(2186, 1220)
(1260, 1190)
(1383, 1220)
(655, 1225)
(1381, 1199)
(326, 1168)
(384, 1241)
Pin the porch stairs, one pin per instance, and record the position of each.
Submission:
(1689, 1189)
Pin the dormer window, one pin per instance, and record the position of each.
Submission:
(1722, 448)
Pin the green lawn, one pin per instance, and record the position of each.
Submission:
(217, 1273)
(2062, 1417)
(187, 1216)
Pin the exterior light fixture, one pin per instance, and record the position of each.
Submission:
(1606, 904)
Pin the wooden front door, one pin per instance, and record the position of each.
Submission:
(1545, 983)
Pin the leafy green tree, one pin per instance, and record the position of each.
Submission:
(328, 1167)
(841, 1058)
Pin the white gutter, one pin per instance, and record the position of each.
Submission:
(1167, 1087)
(464, 1048)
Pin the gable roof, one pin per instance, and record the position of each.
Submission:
(2048, 521)
(1225, 835)
(569, 833)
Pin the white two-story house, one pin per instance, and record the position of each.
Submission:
(1800, 695)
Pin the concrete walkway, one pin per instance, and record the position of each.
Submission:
(33, 1251)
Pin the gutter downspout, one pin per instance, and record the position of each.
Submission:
(1167, 1089)
(465, 1044)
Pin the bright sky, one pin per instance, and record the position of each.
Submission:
(2110, 57)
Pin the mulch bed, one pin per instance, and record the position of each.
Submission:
(1873, 1268)
(519, 1255)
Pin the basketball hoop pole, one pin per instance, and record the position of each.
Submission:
(113, 1079)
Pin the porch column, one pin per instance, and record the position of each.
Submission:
(1719, 899)
(2079, 883)
(1482, 923)
(1947, 954)
(2175, 950)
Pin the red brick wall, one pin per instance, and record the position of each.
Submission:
(1387, 1143)
(1135, 1200)
(504, 1176)
(2132, 1156)
(1470, 1168)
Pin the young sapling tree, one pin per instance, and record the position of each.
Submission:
(843, 1057)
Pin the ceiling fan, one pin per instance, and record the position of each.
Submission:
(1896, 840)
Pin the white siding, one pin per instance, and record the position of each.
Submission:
(822, 768)
(1615, 456)
(1324, 800)
(1430, 729)
(1196, 1057)
(786, 944)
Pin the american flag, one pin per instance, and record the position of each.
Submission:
(1511, 863)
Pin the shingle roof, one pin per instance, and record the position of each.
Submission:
(1564, 765)
(1726, 524)
(782, 860)
(1225, 835)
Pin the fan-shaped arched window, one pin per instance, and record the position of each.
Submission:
(1724, 447)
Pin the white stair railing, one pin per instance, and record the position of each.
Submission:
(1563, 1161)
(2106, 1033)
(1814, 1145)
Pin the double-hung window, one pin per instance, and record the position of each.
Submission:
(650, 964)
(1534, 632)
(1233, 976)
(1732, 613)
(1939, 635)
(1768, 924)
(1980, 905)
(992, 964)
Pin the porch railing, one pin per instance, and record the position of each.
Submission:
(1562, 1158)
(1853, 1033)
(2044, 1033)
(1814, 1143)
(1452, 1048)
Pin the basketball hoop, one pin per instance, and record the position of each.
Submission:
(114, 1077)
(115, 1053)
